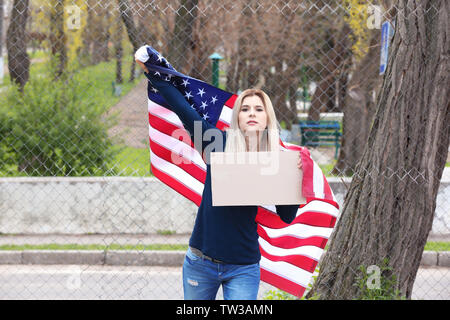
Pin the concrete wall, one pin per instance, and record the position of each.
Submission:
(92, 205)
(122, 205)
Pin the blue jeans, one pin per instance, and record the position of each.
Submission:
(202, 279)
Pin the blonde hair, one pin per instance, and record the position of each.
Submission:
(270, 138)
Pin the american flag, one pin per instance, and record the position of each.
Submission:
(289, 252)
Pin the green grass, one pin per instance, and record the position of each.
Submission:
(101, 77)
(72, 246)
(327, 168)
(437, 246)
(132, 162)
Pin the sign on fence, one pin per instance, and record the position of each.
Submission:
(386, 34)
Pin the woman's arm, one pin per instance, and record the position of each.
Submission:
(188, 116)
(177, 103)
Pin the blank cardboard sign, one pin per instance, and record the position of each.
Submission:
(256, 178)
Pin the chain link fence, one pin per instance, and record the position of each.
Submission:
(75, 173)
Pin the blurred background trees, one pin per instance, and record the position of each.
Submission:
(312, 57)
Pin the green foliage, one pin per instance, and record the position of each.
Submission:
(385, 289)
(7, 155)
(356, 18)
(278, 295)
(52, 130)
(437, 246)
(131, 161)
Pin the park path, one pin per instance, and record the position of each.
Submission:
(132, 126)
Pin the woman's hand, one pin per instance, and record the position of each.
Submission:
(142, 65)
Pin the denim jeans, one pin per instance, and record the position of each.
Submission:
(202, 279)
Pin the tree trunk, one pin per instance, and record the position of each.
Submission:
(118, 48)
(18, 59)
(232, 82)
(134, 35)
(58, 38)
(200, 64)
(100, 34)
(126, 14)
(1, 28)
(181, 38)
(359, 108)
(236, 78)
(1, 41)
(337, 52)
(279, 82)
(389, 208)
(87, 38)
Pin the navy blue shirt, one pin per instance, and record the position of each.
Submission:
(226, 233)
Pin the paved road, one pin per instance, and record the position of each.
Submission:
(108, 282)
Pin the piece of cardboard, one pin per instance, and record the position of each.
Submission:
(256, 178)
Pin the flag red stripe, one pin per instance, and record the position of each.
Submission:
(290, 242)
(282, 283)
(177, 185)
(330, 201)
(168, 128)
(221, 125)
(311, 218)
(291, 147)
(183, 163)
(303, 262)
(230, 102)
(308, 174)
(316, 219)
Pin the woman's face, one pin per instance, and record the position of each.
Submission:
(252, 116)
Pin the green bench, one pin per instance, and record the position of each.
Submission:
(321, 133)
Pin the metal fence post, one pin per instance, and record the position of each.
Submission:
(215, 57)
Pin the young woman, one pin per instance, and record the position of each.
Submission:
(223, 248)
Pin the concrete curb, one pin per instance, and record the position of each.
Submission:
(167, 258)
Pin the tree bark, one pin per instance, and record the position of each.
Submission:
(181, 38)
(359, 108)
(236, 78)
(337, 51)
(18, 59)
(118, 48)
(87, 38)
(58, 38)
(279, 83)
(134, 35)
(199, 62)
(388, 210)
(1, 27)
(1, 41)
